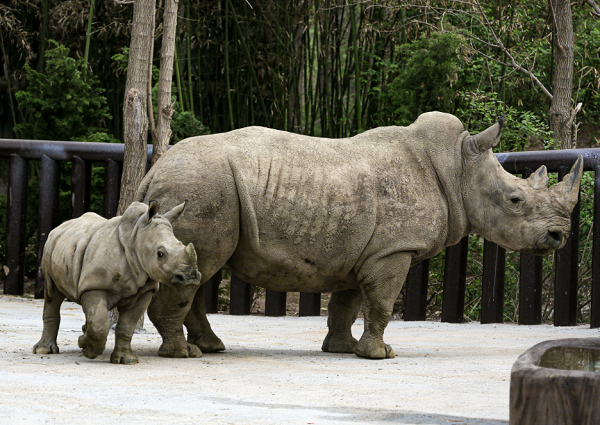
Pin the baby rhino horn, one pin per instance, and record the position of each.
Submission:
(175, 212)
(539, 179)
(567, 191)
(190, 254)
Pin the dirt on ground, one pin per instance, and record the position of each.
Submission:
(272, 372)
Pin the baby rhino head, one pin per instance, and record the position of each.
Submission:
(163, 256)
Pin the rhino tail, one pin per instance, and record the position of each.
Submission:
(140, 194)
(49, 287)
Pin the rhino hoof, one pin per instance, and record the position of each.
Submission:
(209, 344)
(339, 345)
(124, 357)
(373, 349)
(179, 351)
(42, 348)
(89, 348)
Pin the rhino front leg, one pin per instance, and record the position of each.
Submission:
(343, 308)
(128, 319)
(167, 312)
(381, 280)
(47, 344)
(199, 331)
(97, 323)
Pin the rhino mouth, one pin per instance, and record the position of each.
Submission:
(554, 238)
(188, 275)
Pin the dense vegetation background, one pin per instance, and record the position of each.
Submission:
(328, 68)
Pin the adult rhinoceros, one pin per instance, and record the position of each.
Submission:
(349, 216)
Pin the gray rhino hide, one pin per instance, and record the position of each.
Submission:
(93, 253)
(294, 213)
(313, 209)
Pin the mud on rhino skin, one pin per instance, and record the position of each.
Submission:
(349, 216)
(102, 264)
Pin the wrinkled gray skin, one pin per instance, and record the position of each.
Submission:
(349, 216)
(102, 264)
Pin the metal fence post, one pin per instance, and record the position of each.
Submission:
(309, 304)
(455, 278)
(492, 290)
(81, 176)
(566, 271)
(275, 303)
(240, 300)
(48, 212)
(415, 304)
(15, 226)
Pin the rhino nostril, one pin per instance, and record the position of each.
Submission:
(556, 236)
(177, 278)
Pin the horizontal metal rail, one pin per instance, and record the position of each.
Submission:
(82, 154)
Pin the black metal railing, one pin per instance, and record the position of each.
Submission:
(82, 155)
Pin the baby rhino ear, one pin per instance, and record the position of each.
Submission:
(175, 212)
(152, 211)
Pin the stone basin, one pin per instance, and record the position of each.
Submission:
(557, 382)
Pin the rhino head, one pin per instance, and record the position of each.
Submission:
(518, 214)
(162, 256)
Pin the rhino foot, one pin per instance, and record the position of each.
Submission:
(180, 351)
(43, 347)
(90, 348)
(122, 356)
(372, 348)
(208, 343)
(339, 345)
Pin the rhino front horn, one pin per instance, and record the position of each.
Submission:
(485, 140)
(567, 190)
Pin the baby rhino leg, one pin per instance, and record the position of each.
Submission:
(47, 344)
(128, 318)
(97, 323)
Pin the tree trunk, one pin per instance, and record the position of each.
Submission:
(135, 115)
(135, 112)
(162, 134)
(562, 78)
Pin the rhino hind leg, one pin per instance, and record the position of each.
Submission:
(97, 323)
(51, 316)
(381, 281)
(199, 331)
(343, 309)
(167, 312)
(128, 319)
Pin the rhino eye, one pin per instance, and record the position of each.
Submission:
(160, 254)
(515, 200)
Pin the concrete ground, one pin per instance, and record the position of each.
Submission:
(273, 372)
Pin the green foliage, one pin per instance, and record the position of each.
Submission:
(428, 76)
(523, 129)
(63, 102)
(184, 125)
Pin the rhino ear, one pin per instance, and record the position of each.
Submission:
(175, 212)
(485, 140)
(152, 211)
(568, 189)
(539, 179)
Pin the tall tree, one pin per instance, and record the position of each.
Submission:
(161, 135)
(135, 113)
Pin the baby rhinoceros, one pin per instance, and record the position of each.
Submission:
(102, 264)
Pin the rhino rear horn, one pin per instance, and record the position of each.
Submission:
(175, 212)
(485, 140)
(567, 190)
(539, 179)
